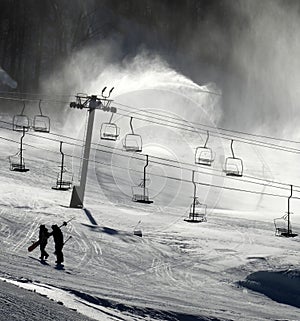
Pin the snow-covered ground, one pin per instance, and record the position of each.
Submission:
(231, 267)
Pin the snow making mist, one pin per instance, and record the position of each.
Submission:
(145, 86)
(261, 91)
(147, 83)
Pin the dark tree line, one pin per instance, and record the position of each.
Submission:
(36, 36)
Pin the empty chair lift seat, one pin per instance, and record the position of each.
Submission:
(140, 195)
(204, 156)
(41, 124)
(133, 143)
(233, 167)
(198, 213)
(17, 164)
(109, 131)
(21, 122)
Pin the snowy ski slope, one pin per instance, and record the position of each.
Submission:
(177, 270)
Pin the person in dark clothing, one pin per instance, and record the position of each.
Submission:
(43, 238)
(59, 243)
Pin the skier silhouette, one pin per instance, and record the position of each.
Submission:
(59, 243)
(43, 238)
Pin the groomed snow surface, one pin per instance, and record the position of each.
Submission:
(231, 267)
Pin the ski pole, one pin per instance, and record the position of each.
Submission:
(65, 223)
(67, 239)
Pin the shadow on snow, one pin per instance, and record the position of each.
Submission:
(280, 286)
(141, 312)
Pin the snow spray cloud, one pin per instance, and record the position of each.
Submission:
(147, 83)
(262, 90)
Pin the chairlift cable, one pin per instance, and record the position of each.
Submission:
(34, 94)
(259, 145)
(145, 111)
(215, 134)
(140, 157)
(169, 177)
(34, 99)
(208, 126)
(168, 160)
(268, 183)
(222, 136)
(264, 145)
(159, 163)
(199, 183)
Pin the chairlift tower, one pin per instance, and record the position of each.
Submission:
(91, 103)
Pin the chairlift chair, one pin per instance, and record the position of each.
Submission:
(140, 194)
(64, 179)
(204, 154)
(41, 123)
(233, 165)
(198, 210)
(283, 226)
(197, 213)
(109, 131)
(132, 142)
(17, 163)
(21, 122)
(65, 183)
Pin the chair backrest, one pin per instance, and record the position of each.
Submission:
(109, 131)
(233, 166)
(20, 122)
(41, 124)
(133, 142)
(139, 190)
(204, 156)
